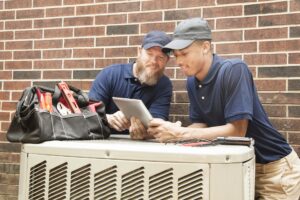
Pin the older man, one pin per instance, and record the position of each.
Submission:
(143, 79)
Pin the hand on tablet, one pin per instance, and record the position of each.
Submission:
(118, 121)
(137, 130)
(164, 131)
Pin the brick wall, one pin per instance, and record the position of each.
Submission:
(43, 42)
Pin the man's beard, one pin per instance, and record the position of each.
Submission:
(146, 77)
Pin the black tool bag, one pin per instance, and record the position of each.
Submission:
(32, 124)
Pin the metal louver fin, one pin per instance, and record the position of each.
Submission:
(105, 185)
(133, 184)
(190, 186)
(161, 185)
(58, 182)
(80, 183)
(37, 181)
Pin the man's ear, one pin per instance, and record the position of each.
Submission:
(139, 51)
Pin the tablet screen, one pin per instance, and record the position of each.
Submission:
(135, 108)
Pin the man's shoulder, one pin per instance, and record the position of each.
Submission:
(233, 62)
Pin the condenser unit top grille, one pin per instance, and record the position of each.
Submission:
(126, 149)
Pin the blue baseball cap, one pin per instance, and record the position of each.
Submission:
(155, 39)
(187, 32)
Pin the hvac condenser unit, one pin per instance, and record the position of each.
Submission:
(125, 169)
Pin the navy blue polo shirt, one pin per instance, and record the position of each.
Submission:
(228, 94)
(118, 81)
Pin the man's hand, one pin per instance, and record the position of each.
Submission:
(165, 131)
(137, 130)
(118, 121)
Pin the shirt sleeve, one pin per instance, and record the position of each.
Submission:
(160, 107)
(100, 88)
(238, 88)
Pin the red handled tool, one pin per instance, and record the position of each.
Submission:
(68, 96)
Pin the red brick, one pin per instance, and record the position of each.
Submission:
(280, 19)
(18, 4)
(170, 73)
(39, 3)
(124, 52)
(227, 36)
(55, 12)
(94, 9)
(5, 55)
(48, 44)
(270, 85)
(6, 35)
(233, 1)
(18, 65)
(158, 5)
(272, 33)
(279, 98)
(287, 45)
(8, 105)
(49, 54)
(101, 63)
(294, 58)
(58, 33)
(230, 48)
(179, 109)
(294, 138)
(84, 85)
(4, 116)
(144, 17)
(10, 158)
(27, 55)
(294, 5)
(230, 23)
(36, 13)
(18, 45)
(89, 31)
(5, 75)
(80, 42)
(265, 59)
(1, 45)
(76, 2)
(286, 124)
(61, 74)
(45, 23)
(4, 95)
(88, 53)
(111, 19)
(1, 65)
(265, 8)
(24, 24)
(275, 110)
(111, 41)
(30, 34)
(47, 64)
(15, 85)
(195, 3)
(136, 40)
(79, 64)
(182, 14)
(123, 7)
(78, 21)
(16, 95)
(163, 26)
(4, 15)
(222, 11)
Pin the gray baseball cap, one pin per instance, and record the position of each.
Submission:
(187, 32)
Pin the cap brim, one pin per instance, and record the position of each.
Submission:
(178, 44)
(150, 45)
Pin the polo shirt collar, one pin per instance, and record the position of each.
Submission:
(128, 71)
(213, 71)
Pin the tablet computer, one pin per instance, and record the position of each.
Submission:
(135, 108)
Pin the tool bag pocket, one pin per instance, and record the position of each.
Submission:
(33, 124)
